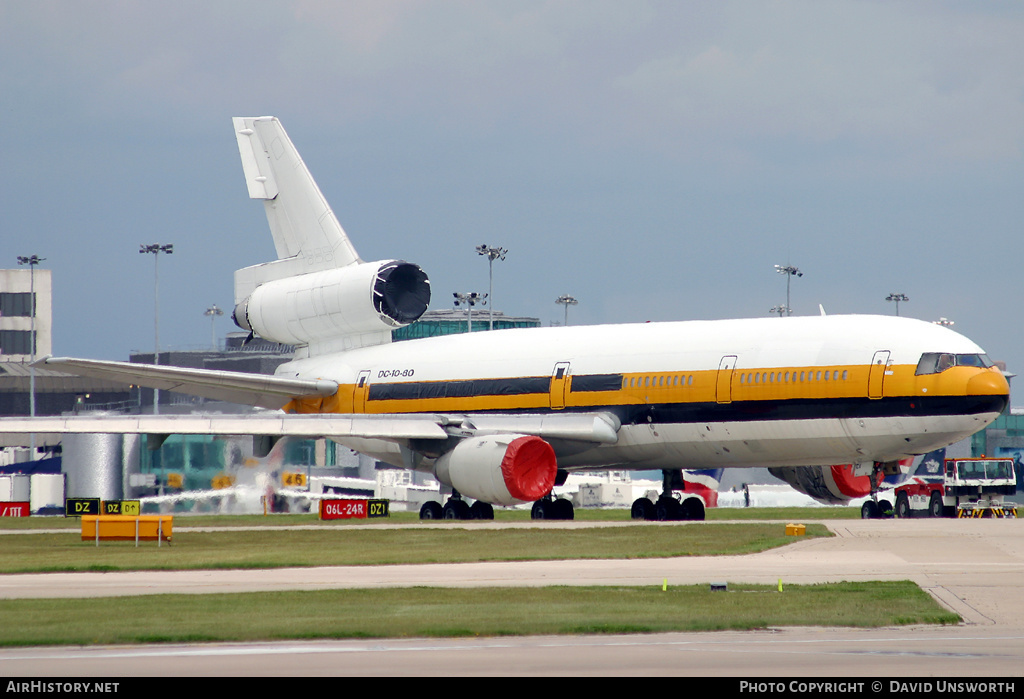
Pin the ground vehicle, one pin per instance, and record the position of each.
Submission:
(965, 488)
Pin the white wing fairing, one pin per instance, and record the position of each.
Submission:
(497, 415)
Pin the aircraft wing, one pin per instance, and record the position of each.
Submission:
(258, 390)
(594, 428)
(391, 428)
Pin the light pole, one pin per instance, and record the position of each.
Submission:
(492, 254)
(156, 249)
(789, 271)
(213, 311)
(781, 310)
(897, 298)
(566, 301)
(470, 299)
(32, 261)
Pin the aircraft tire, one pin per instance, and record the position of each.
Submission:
(563, 509)
(431, 510)
(885, 510)
(668, 510)
(541, 510)
(456, 509)
(869, 510)
(642, 508)
(481, 510)
(693, 509)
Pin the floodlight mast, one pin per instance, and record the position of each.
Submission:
(789, 271)
(32, 261)
(897, 298)
(491, 254)
(566, 301)
(470, 299)
(213, 311)
(155, 249)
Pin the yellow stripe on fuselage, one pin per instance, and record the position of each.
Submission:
(680, 387)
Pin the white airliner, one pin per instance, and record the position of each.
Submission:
(499, 416)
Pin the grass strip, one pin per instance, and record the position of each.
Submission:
(443, 612)
(276, 548)
(724, 514)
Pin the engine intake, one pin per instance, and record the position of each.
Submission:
(832, 485)
(505, 469)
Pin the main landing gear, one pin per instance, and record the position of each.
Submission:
(875, 508)
(667, 508)
(456, 508)
(551, 507)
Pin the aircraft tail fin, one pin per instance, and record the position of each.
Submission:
(307, 235)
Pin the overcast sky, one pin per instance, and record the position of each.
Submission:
(653, 159)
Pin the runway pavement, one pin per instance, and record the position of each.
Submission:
(973, 567)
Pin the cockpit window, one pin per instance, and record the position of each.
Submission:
(937, 362)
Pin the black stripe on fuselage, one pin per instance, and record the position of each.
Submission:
(420, 390)
(804, 409)
(681, 413)
(471, 388)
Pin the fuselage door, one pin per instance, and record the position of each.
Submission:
(723, 391)
(360, 392)
(876, 375)
(559, 385)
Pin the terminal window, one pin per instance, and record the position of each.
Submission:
(15, 304)
(15, 342)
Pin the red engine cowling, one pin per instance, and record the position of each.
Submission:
(503, 469)
(832, 485)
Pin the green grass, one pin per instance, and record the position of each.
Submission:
(501, 515)
(437, 612)
(275, 547)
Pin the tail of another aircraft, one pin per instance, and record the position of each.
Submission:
(318, 295)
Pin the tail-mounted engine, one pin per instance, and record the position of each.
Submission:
(504, 469)
(368, 297)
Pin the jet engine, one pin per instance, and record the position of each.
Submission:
(361, 298)
(832, 485)
(502, 469)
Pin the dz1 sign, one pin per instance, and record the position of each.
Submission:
(353, 509)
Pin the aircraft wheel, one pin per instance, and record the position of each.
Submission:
(481, 510)
(668, 510)
(902, 506)
(693, 509)
(563, 509)
(869, 510)
(935, 508)
(642, 509)
(431, 510)
(541, 510)
(456, 509)
(885, 509)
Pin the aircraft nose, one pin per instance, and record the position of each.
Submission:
(988, 383)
